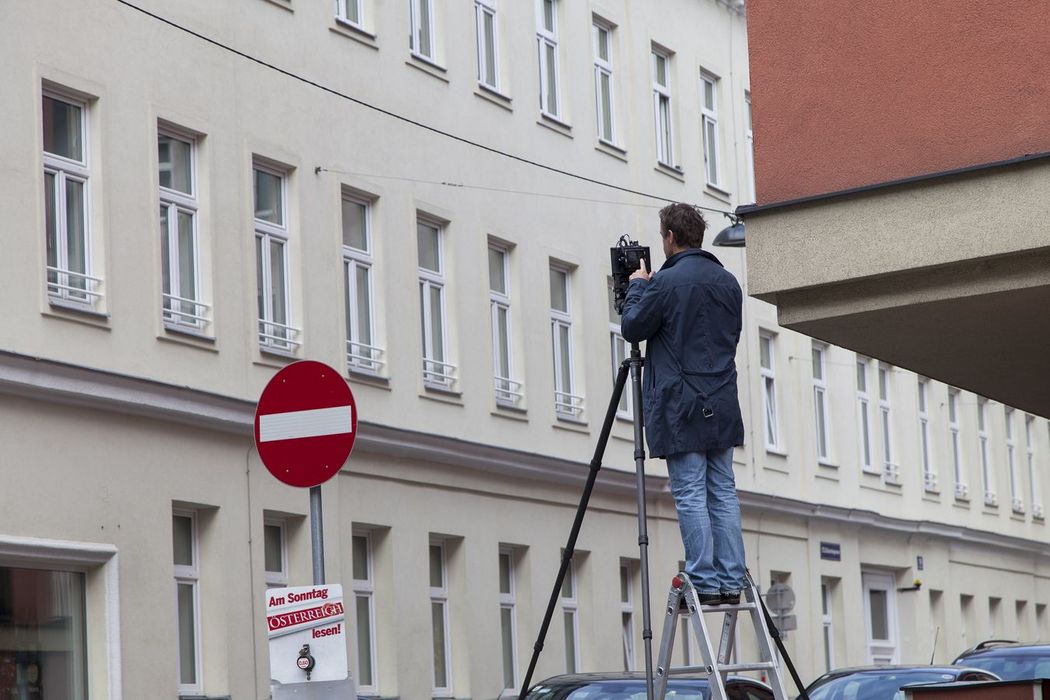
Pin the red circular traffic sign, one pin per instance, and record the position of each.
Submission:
(305, 423)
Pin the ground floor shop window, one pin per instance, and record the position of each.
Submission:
(42, 639)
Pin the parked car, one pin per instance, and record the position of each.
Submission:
(631, 686)
(1011, 661)
(885, 682)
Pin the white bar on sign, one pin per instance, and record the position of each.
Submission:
(304, 424)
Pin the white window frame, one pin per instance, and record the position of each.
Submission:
(417, 29)
(881, 651)
(277, 579)
(567, 404)
(483, 8)
(190, 575)
(570, 606)
(822, 413)
(929, 471)
(274, 337)
(360, 356)
(604, 67)
(437, 374)
(62, 291)
(181, 311)
(548, 38)
(508, 391)
(439, 595)
(508, 601)
(827, 625)
(709, 116)
(342, 13)
(1016, 501)
(619, 350)
(663, 119)
(749, 150)
(627, 615)
(991, 498)
(890, 468)
(962, 488)
(771, 421)
(1033, 472)
(366, 588)
(864, 422)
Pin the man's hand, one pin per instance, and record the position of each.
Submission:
(641, 273)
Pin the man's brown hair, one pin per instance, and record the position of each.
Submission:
(687, 223)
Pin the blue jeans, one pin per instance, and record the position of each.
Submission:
(709, 517)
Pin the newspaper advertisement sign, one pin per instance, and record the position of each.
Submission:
(307, 631)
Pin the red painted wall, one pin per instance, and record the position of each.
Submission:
(855, 92)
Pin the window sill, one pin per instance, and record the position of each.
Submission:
(284, 5)
(572, 424)
(424, 64)
(1039, 519)
(494, 96)
(868, 471)
(511, 413)
(717, 192)
(77, 313)
(554, 124)
(883, 487)
(963, 503)
(441, 395)
(188, 338)
(363, 377)
(775, 451)
(611, 149)
(290, 355)
(827, 464)
(1018, 517)
(674, 171)
(352, 31)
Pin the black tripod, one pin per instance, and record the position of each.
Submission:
(633, 366)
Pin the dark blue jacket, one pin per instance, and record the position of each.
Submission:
(690, 312)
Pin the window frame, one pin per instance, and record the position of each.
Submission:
(508, 391)
(277, 579)
(190, 575)
(361, 357)
(822, 413)
(962, 488)
(991, 497)
(568, 405)
(570, 606)
(366, 588)
(508, 601)
(890, 468)
(627, 615)
(416, 27)
(444, 377)
(604, 67)
(709, 115)
(1016, 501)
(266, 233)
(749, 152)
(771, 415)
(481, 9)
(548, 38)
(663, 118)
(619, 351)
(929, 471)
(827, 624)
(439, 595)
(342, 13)
(1033, 472)
(864, 423)
(62, 292)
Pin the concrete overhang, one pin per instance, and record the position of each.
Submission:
(945, 275)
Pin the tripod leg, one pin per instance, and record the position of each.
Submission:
(643, 535)
(570, 545)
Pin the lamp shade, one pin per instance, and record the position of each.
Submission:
(731, 236)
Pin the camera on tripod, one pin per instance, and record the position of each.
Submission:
(627, 257)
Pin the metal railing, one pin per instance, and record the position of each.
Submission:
(363, 357)
(60, 289)
(891, 473)
(278, 337)
(175, 316)
(930, 483)
(1037, 511)
(508, 391)
(962, 491)
(438, 374)
(991, 498)
(1017, 505)
(566, 404)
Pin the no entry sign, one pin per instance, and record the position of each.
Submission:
(305, 423)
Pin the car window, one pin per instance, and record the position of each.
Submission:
(618, 690)
(875, 686)
(1014, 667)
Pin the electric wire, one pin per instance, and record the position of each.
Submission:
(408, 120)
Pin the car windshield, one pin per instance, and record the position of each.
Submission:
(876, 685)
(617, 690)
(1014, 667)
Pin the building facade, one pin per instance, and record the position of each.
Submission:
(196, 194)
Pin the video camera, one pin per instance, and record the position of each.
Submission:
(627, 257)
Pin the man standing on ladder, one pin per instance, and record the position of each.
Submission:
(690, 313)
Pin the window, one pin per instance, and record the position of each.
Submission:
(890, 470)
(929, 474)
(709, 126)
(880, 616)
(749, 150)
(271, 259)
(962, 490)
(507, 618)
(508, 391)
(603, 82)
(566, 403)
(864, 413)
(662, 108)
(488, 45)
(1033, 474)
(827, 624)
(1016, 502)
(351, 12)
(769, 391)
(66, 196)
(437, 372)
(364, 609)
(439, 619)
(275, 553)
(627, 615)
(987, 481)
(547, 43)
(619, 352)
(181, 308)
(43, 619)
(187, 599)
(421, 40)
(570, 612)
(362, 353)
(820, 401)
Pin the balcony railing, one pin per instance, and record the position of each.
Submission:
(184, 314)
(437, 374)
(962, 492)
(568, 405)
(1017, 505)
(1037, 511)
(991, 499)
(930, 483)
(891, 473)
(508, 391)
(74, 287)
(278, 337)
(362, 357)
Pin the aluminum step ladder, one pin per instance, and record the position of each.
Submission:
(683, 600)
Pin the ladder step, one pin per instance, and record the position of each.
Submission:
(676, 670)
(757, 666)
(726, 608)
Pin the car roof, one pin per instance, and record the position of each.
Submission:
(605, 676)
(891, 668)
(994, 647)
